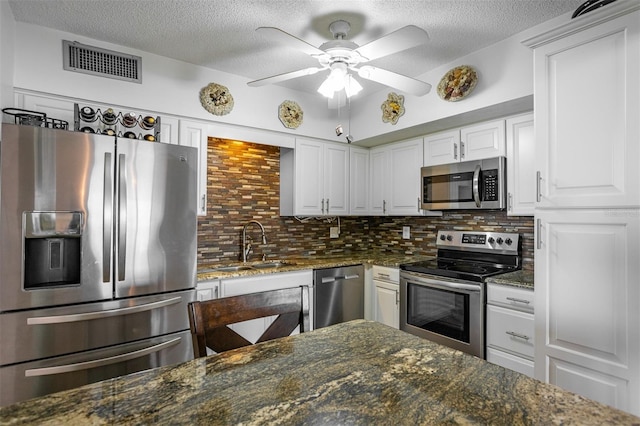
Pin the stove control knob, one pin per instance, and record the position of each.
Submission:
(442, 237)
(499, 240)
(508, 241)
(449, 238)
(491, 240)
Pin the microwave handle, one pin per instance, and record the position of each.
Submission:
(476, 186)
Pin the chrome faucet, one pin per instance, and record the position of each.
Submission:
(246, 248)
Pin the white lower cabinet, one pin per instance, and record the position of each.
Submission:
(207, 290)
(253, 329)
(386, 298)
(510, 328)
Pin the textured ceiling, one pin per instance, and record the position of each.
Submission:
(220, 34)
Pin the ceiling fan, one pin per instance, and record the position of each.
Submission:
(343, 57)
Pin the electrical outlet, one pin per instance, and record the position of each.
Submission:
(334, 232)
(406, 232)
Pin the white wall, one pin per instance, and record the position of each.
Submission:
(168, 86)
(7, 41)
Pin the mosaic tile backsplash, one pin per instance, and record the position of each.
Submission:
(243, 184)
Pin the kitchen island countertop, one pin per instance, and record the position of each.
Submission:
(356, 373)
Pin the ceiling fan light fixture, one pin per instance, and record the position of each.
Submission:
(326, 88)
(351, 87)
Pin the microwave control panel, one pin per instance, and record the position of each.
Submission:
(490, 188)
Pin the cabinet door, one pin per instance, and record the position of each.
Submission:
(207, 290)
(309, 161)
(587, 320)
(336, 179)
(169, 130)
(521, 177)
(387, 304)
(442, 148)
(194, 134)
(61, 109)
(405, 160)
(358, 181)
(378, 180)
(484, 140)
(587, 97)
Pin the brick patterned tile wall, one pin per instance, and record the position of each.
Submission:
(243, 184)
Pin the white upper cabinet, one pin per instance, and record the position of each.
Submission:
(395, 179)
(484, 140)
(587, 95)
(521, 184)
(321, 178)
(358, 181)
(194, 134)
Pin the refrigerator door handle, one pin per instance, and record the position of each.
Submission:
(122, 217)
(47, 371)
(86, 316)
(107, 219)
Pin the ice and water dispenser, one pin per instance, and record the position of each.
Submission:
(52, 248)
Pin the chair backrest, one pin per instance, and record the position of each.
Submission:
(209, 319)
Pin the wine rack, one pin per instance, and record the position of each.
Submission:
(116, 123)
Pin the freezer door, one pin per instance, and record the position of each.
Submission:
(41, 333)
(33, 379)
(53, 186)
(155, 225)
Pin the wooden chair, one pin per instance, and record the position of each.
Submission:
(209, 319)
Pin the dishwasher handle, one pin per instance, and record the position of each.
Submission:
(339, 278)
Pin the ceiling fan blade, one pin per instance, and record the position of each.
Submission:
(287, 39)
(395, 80)
(283, 77)
(397, 41)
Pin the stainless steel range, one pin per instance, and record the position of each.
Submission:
(443, 299)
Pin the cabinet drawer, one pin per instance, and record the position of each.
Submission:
(510, 297)
(512, 362)
(510, 330)
(384, 273)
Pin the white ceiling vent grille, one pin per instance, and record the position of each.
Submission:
(101, 62)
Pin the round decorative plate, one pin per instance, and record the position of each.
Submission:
(457, 83)
(392, 108)
(216, 99)
(290, 114)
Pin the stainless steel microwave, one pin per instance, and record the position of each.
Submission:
(469, 185)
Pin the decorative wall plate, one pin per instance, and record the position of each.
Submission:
(392, 108)
(290, 114)
(457, 83)
(216, 99)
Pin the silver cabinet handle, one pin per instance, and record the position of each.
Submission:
(380, 274)
(322, 205)
(455, 151)
(47, 371)
(204, 203)
(461, 150)
(57, 319)
(519, 336)
(510, 205)
(327, 206)
(539, 233)
(122, 217)
(418, 204)
(538, 186)
(384, 206)
(107, 218)
(476, 186)
(397, 297)
(513, 299)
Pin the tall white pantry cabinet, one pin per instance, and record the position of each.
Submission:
(587, 210)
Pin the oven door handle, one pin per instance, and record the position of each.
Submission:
(476, 186)
(444, 285)
(459, 286)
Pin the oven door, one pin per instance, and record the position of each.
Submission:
(449, 312)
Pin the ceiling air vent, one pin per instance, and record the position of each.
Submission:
(101, 62)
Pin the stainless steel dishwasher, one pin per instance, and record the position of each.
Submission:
(338, 295)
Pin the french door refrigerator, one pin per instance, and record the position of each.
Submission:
(97, 257)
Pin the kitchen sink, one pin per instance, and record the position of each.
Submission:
(232, 268)
(268, 265)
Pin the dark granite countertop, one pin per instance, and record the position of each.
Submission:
(523, 279)
(314, 262)
(357, 373)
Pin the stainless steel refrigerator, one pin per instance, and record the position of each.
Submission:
(97, 257)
